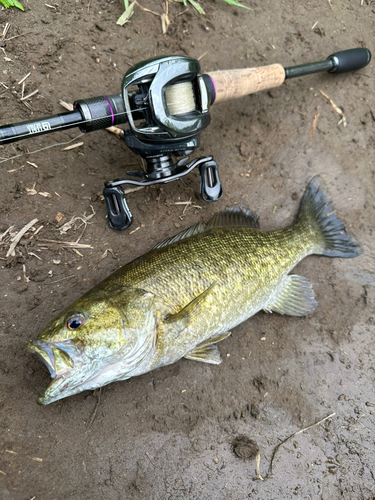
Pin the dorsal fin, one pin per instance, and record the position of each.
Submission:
(236, 216)
(190, 231)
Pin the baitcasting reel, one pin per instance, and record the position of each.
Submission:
(165, 101)
(172, 100)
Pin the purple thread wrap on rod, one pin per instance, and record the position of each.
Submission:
(110, 107)
(213, 83)
(211, 87)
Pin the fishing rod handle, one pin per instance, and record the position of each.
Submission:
(235, 83)
(227, 85)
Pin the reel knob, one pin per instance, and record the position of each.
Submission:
(119, 215)
(211, 188)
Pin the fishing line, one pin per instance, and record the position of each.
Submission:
(3, 160)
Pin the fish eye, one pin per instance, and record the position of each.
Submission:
(75, 321)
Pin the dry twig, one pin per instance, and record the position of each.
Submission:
(202, 56)
(336, 108)
(63, 279)
(276, 449)
(5, 31)
(16, 239)
(315, 121)
(151, 458)
(24, 78)
(29, 95)
(73, 222)
(73, 146)
(96, 408)
(108, 250)
(66, 244)
(9, 230)
(132, 190)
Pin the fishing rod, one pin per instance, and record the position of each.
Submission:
(165, 101)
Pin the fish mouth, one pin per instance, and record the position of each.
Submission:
(71, 371)
(58, 360)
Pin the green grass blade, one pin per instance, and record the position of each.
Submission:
(11, 3)
(237, 4)
(124, 18)
(197, 6)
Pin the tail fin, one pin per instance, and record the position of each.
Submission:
(334, 240)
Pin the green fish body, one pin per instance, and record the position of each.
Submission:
(186, 294)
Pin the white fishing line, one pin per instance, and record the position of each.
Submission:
(180, 98)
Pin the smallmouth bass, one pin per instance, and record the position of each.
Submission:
(182, 298)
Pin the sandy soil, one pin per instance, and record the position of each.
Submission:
(173, 433)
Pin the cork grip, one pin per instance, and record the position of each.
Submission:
(240, 82)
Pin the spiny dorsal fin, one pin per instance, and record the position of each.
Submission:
(190, 231)
(207, 354)
(294, 297)
(237, 216)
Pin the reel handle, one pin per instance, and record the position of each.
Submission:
(231, 84)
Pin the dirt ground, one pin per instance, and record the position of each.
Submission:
(170, 434)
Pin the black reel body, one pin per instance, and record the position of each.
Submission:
(153, 77)
(157, 134)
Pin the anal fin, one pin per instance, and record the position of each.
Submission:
(295, 297)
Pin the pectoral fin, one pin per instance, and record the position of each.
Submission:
(190, 311)
(207, 352)
(295, 297)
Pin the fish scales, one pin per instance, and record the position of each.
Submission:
(182, 297)
(181, 272)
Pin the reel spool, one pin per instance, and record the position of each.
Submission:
(180, 98)
(165, 102)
